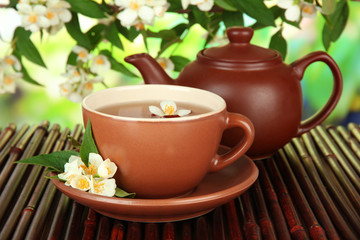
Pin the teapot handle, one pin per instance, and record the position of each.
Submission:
(299, 66)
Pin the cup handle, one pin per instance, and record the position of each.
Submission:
(234, 120)
(299, 67)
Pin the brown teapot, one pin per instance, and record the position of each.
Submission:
(255, 82)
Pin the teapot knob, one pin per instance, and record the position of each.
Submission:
(239, 34)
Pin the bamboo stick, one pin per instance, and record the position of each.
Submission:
(296, 228)
(332, 183)
(315, 229)
(273, 202)
(27, 190)
(10, 145)
(74, 227)
(264, 219)
(336, 168)
(45, 203)
(151, 231)
(118, 231)
(133, 231)
(250, 226)
(233, 223)
(90, 225)
(348, 169)
(13, 182)
(310, 192)
(103, 231)
(168, 231)
(64, 202)
(15, 152)
(352, 142)
(218, 229)
(6, 134)
(326, 199)
(201, 228)
(355, 130)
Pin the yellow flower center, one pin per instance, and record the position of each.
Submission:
(98, 187)
(109, 171)
(88, 86)
(8, 80)
(83, 184)
(76, 73)
(50, 15)
(308, 9)
(134, 5)
(82, 54)
(32, 18)
(100, 61)
(64, 89)
(169, 110)
(162, 64)
(10, 61)
(91, 170)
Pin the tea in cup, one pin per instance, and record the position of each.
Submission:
(163, 138)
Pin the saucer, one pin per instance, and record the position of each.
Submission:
(214, 190)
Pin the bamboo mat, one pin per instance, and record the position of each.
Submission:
(309, 189)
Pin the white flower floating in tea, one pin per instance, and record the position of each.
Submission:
(168, 109)
(96, 178)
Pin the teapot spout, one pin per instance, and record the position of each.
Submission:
(149, 68)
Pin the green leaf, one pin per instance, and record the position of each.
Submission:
(200, 17)
(328, 7)
(115, 65)
(88, 144)
(55, 160)
(335, 24)
(26, 48)
(12, 3)
(256, 9)
(73, 28)
(72, 58)
(226, 5)
(179, 62)
(74, 143)
(26, 75)
(233, 18)
(112, 34)
(96, 34)
(88, 8)
(278, 43)
(122, 194)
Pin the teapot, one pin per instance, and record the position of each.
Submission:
(255, 82)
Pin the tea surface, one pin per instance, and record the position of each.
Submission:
(141, 109)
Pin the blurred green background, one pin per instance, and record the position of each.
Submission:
(32, 104)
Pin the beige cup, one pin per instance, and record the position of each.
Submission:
(164, 157)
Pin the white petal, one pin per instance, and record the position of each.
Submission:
(185, 3)
(168, 107)
(183, 112)
(127, 17)
(157, 111)
(104, 187)
(24, 8)
(285, 4)
(65, 16)
(75, 97)
(95, 159)
(293, 13)
(80, 182)
(39, 10)
(206, 5)
(146, 14)
(107, 169)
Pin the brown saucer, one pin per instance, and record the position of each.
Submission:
(215, 190)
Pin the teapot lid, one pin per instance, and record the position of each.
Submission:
(240, 50)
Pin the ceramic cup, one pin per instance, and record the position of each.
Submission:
(164, 157)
